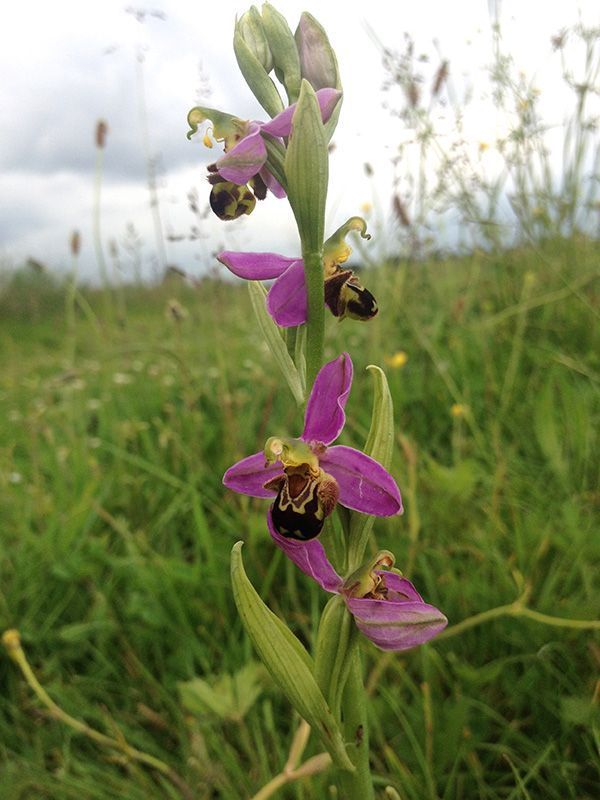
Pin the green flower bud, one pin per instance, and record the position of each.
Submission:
(283, 47)
(250, 28)
(255, 75)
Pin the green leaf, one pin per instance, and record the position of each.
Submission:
(457, 482)
(229, 697)
(275, 341)
(379, 445)
(283, 49)
(579, 711)
(549, 433)
(307, 170)
(256, 77)
(290, 665)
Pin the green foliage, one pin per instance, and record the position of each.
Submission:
(230, 697)
(114, 555)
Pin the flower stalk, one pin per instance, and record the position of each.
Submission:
(315, 326)
(309, 481)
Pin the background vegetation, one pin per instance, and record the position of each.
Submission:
(117, 422)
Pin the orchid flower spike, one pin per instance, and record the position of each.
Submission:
(307, 477)
(287, 300)
(244, 165)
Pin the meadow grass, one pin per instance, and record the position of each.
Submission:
(114, 555)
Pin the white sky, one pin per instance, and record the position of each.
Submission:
(64, 64)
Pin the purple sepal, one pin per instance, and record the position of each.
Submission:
(309, 557)
(255, 266)
(365, 485)
(249, 475)
(281, 125)
(287, 301)
(325, 416)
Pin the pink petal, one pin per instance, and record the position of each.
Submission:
(365, 485)
(287, 300)
(325, 416)
(244, 160)
(309, 557)
(249, 475)
(397, 585)
(281, 125)
(255, 266)
(272, 183)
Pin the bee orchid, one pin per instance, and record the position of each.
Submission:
(307, 477)
(244, 163)
(287, 301)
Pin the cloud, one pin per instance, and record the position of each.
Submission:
(77, 62)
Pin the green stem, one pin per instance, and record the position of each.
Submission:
(97, 219)
(12, 643)
(70, 312)
(315, 326)
(516, 609)
(357, 785)
(332, 645)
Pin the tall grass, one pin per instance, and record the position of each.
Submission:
(114, 555)
(536, 177)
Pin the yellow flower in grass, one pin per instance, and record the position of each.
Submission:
(458, 410)
(397, 360)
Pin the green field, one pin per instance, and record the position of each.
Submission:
(115, 429)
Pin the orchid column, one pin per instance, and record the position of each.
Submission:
(308, 480)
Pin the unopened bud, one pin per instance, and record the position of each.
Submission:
(440, 78)
(75, 243)
(283, 47)
(318, 63)
(101, 133)
(250, 28)
(11, 639)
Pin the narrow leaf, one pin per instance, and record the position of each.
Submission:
(380, 441)
(379, 445)
(290, 665)
(275, 341)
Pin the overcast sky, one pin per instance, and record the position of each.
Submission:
(68, 63)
